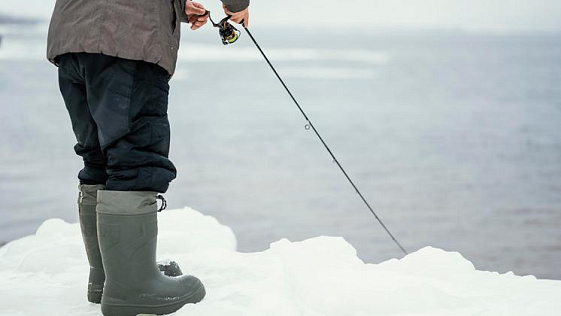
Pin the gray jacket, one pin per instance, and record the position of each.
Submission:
(146, 30)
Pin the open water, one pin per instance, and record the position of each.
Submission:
(454, 138)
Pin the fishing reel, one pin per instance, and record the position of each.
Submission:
(228, 33)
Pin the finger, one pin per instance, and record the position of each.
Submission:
(196, 26)
(202, 8)
(198, 5)
(246, 20)
(197, 18)
(193, 18)
(197, 9)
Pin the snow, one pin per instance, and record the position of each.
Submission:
(45, 274)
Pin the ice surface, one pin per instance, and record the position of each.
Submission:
(45, 274)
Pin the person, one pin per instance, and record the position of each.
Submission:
(115, 59)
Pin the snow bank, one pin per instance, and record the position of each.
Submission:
(45, 274)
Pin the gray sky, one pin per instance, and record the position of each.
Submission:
(477, 15)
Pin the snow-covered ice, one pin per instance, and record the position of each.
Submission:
(45, 274)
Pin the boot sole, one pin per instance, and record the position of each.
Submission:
(164, 309)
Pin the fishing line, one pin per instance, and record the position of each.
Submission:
(230, 35)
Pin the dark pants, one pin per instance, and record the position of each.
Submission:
(118, 110)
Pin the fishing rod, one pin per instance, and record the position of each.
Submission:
(230, 35)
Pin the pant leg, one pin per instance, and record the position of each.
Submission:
(128, 100)
(73, 89)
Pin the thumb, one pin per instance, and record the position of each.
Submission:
(198, 9)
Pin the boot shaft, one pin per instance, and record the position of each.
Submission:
(128, 245)
(88, 194)
(128, 229)
(87, 201)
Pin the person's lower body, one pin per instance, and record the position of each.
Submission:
(118, 110)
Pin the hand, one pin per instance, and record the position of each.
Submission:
(196, 14)
(238, 17)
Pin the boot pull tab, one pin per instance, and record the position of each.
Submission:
(164, 202)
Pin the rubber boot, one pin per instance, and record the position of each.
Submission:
(127, 230)
(87, 202)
